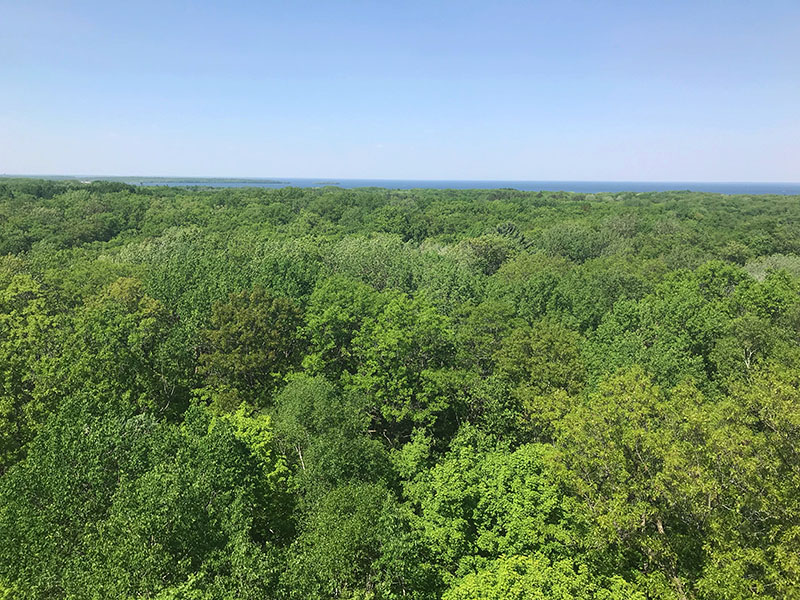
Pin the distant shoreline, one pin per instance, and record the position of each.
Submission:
(586, 187)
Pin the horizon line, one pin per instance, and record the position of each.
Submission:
(332, 179)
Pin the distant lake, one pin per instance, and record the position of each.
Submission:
(587, 187)
(584, 187)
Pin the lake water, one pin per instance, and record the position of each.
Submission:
(588, 187)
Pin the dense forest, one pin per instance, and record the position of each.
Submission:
(376, 394)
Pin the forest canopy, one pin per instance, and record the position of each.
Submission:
(379, 394)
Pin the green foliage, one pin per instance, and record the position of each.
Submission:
(530, 283)
(122, 505)
(543, 358)
(385, 394)
(126, 344)
(631, 457)
(253, 340)
(382, 261)
(340, 543)
(488, 252)
(27, 345)
(536, 578)
(482, 331)
(761, 266)
(479, 503)
(336, 312)
(325, 436)
(399, 353)
(753, 438)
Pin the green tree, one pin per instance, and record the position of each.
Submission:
(28, 341)
(253, 341)
(636, 458)
(125, 343)
(336, 312)
(481, 332)
(325, 437)
(354, 544)
(116, 504)
(399, 354)
(522, 577)
(483, 501)
(753, 445)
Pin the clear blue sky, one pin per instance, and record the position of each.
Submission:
(576, 90)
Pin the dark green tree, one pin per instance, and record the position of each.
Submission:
(254, 339)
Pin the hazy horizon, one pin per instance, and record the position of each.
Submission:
(512, 91)
(335, 178)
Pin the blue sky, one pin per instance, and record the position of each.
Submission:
(566, 90)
